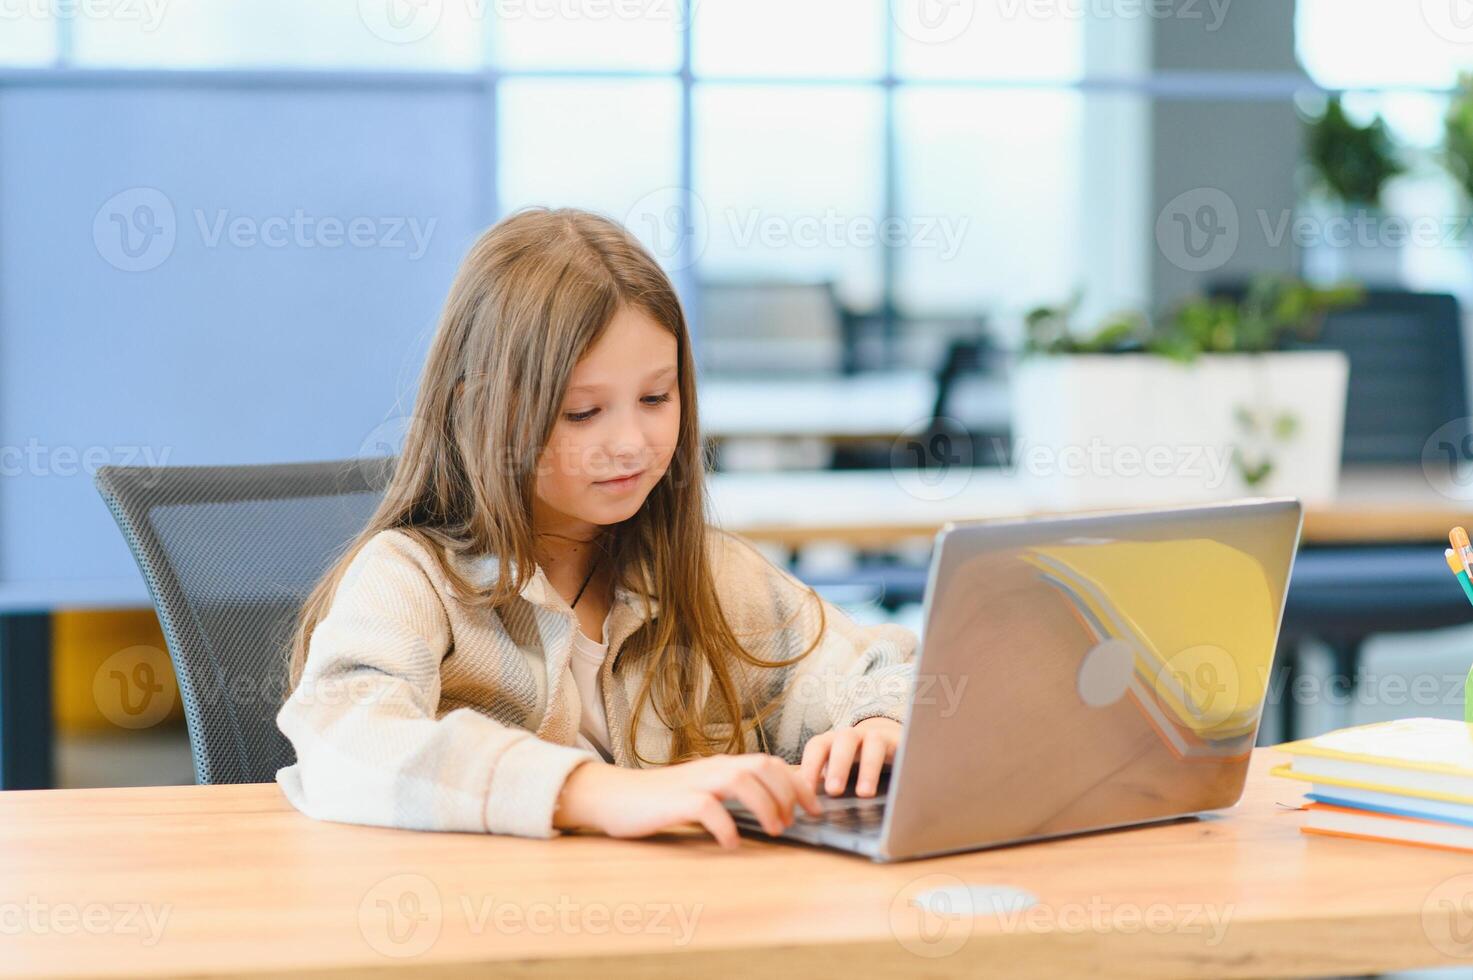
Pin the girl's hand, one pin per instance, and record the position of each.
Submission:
(637, 802)
(872, 741)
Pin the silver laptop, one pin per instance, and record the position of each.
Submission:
(1077, 674)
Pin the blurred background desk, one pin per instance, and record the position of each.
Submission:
(881, 508)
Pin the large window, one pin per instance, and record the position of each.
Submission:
(1399, 61)
(1351, 44)
(875, 144)
(926, 157)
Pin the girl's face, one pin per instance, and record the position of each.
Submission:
(616, 430)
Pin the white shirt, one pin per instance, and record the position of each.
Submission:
(593, 727)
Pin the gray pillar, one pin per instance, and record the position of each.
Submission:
(1222, 169)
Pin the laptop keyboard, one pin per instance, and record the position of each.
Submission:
(847, 813)
(853, 814)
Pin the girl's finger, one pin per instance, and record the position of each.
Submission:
(814, 754)
(877, 748)
(748, 790)
(841, 757)
(805, 790)
(773, 774)
(717, 819)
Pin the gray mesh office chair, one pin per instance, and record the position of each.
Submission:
(229, 554)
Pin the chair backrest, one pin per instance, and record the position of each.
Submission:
(1407, 375)
(972, 392)
(229, 554)
(771, 327)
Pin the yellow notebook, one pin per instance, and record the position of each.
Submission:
(1201, 612)
(1427, 757)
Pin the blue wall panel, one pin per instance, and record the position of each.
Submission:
(282, 339)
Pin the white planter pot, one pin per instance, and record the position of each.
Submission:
(1125, 430)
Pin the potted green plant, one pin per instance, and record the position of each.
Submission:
(1203, 402)
(1458, 136)
(1350, 166)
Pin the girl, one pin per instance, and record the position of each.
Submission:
(538, 629)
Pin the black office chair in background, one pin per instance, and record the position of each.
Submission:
(946, 441)
(229, 554)
(1407, 380)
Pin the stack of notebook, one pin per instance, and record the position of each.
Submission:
(1408, 781)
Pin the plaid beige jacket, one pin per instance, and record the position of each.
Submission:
(417, 711)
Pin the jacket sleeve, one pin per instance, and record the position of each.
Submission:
(370, 748)
(853, 673)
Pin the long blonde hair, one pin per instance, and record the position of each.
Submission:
(531, 296)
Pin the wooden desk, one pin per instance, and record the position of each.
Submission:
(875, 509)
(237, 882)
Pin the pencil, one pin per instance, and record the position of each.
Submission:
(1462, 573)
